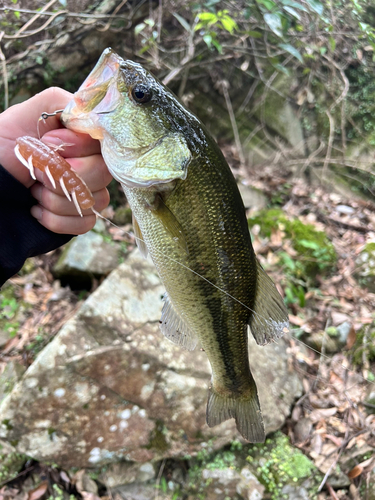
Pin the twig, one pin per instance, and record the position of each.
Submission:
(184, 64)
(5, 74)
(108, 24)
(158, 478)
(38, 30)
(37, 16)
(332, 492)
(322, 353)
(330, 142)
(233, 122)
(68, 14)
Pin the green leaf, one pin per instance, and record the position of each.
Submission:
(183, 22)
(309, 244)
(268, 4)
(292, 50)
(254, 34)
(139, 28)
(228, 23)
(217, 45)
(281, 68)
(332, 43)
(17, 14)
(208, 39)
(295, 5)
(293, 12)
(274, 23)
(316, 6)
(208, 17)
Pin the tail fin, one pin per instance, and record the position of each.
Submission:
(246, 412)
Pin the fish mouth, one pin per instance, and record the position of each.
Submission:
(97, 95)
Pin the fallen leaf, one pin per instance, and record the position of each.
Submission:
(38, 492)
(336, 440)
(355, 472)
(89, 496)
(296, 320)
(352, 337)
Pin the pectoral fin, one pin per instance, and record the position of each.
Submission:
(269, 321)
(170, 223)
(139, 238)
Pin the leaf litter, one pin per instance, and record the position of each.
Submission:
(331, 423)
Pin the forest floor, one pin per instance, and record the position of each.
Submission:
(331, 423)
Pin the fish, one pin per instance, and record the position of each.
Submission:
(189, 216)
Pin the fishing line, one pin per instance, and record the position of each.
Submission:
(231, 296)
(46, 115)
(43, 117)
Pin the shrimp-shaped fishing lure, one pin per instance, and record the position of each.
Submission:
(34, 153)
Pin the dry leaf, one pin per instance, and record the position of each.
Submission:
(336, 440)
(355, 472)
(38, 492)
(89, 496)
(352, 337)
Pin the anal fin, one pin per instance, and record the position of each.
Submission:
(175, 328)
(269, 321)
(139, 238)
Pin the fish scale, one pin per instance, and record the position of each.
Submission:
(188, 214)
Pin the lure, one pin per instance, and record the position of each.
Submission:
(33, 153)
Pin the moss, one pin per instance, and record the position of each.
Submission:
(158, 440)
(364, 346)
(365, 272)
(316, 254)
(123, 215)
(280, 464)
(10, 465)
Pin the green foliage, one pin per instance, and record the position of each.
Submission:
(9, 307)
(209, 21)
(280, 464)
(10, 465)
(316, 253)
(364, 346)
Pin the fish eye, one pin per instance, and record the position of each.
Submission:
(141, 94)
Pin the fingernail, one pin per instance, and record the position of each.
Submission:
(37, 211)
(36, 191)
(52, 140)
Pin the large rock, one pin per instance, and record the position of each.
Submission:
(87, 255)
(110, 386)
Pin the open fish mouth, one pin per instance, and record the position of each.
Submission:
(98, 92)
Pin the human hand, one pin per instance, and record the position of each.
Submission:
(54, 211)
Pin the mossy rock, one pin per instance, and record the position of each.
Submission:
(123, 215)
(364, 346)
(316, 254)
(11, 463)
(366, 267)
(278, 464)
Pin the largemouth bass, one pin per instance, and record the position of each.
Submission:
(188, 214)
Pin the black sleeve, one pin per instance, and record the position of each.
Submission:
(21, 235)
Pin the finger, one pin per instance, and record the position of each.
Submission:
(91, 169)
(25, 116)
(22, 119)
(60, 205)
(61, 224)
(73, 144)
